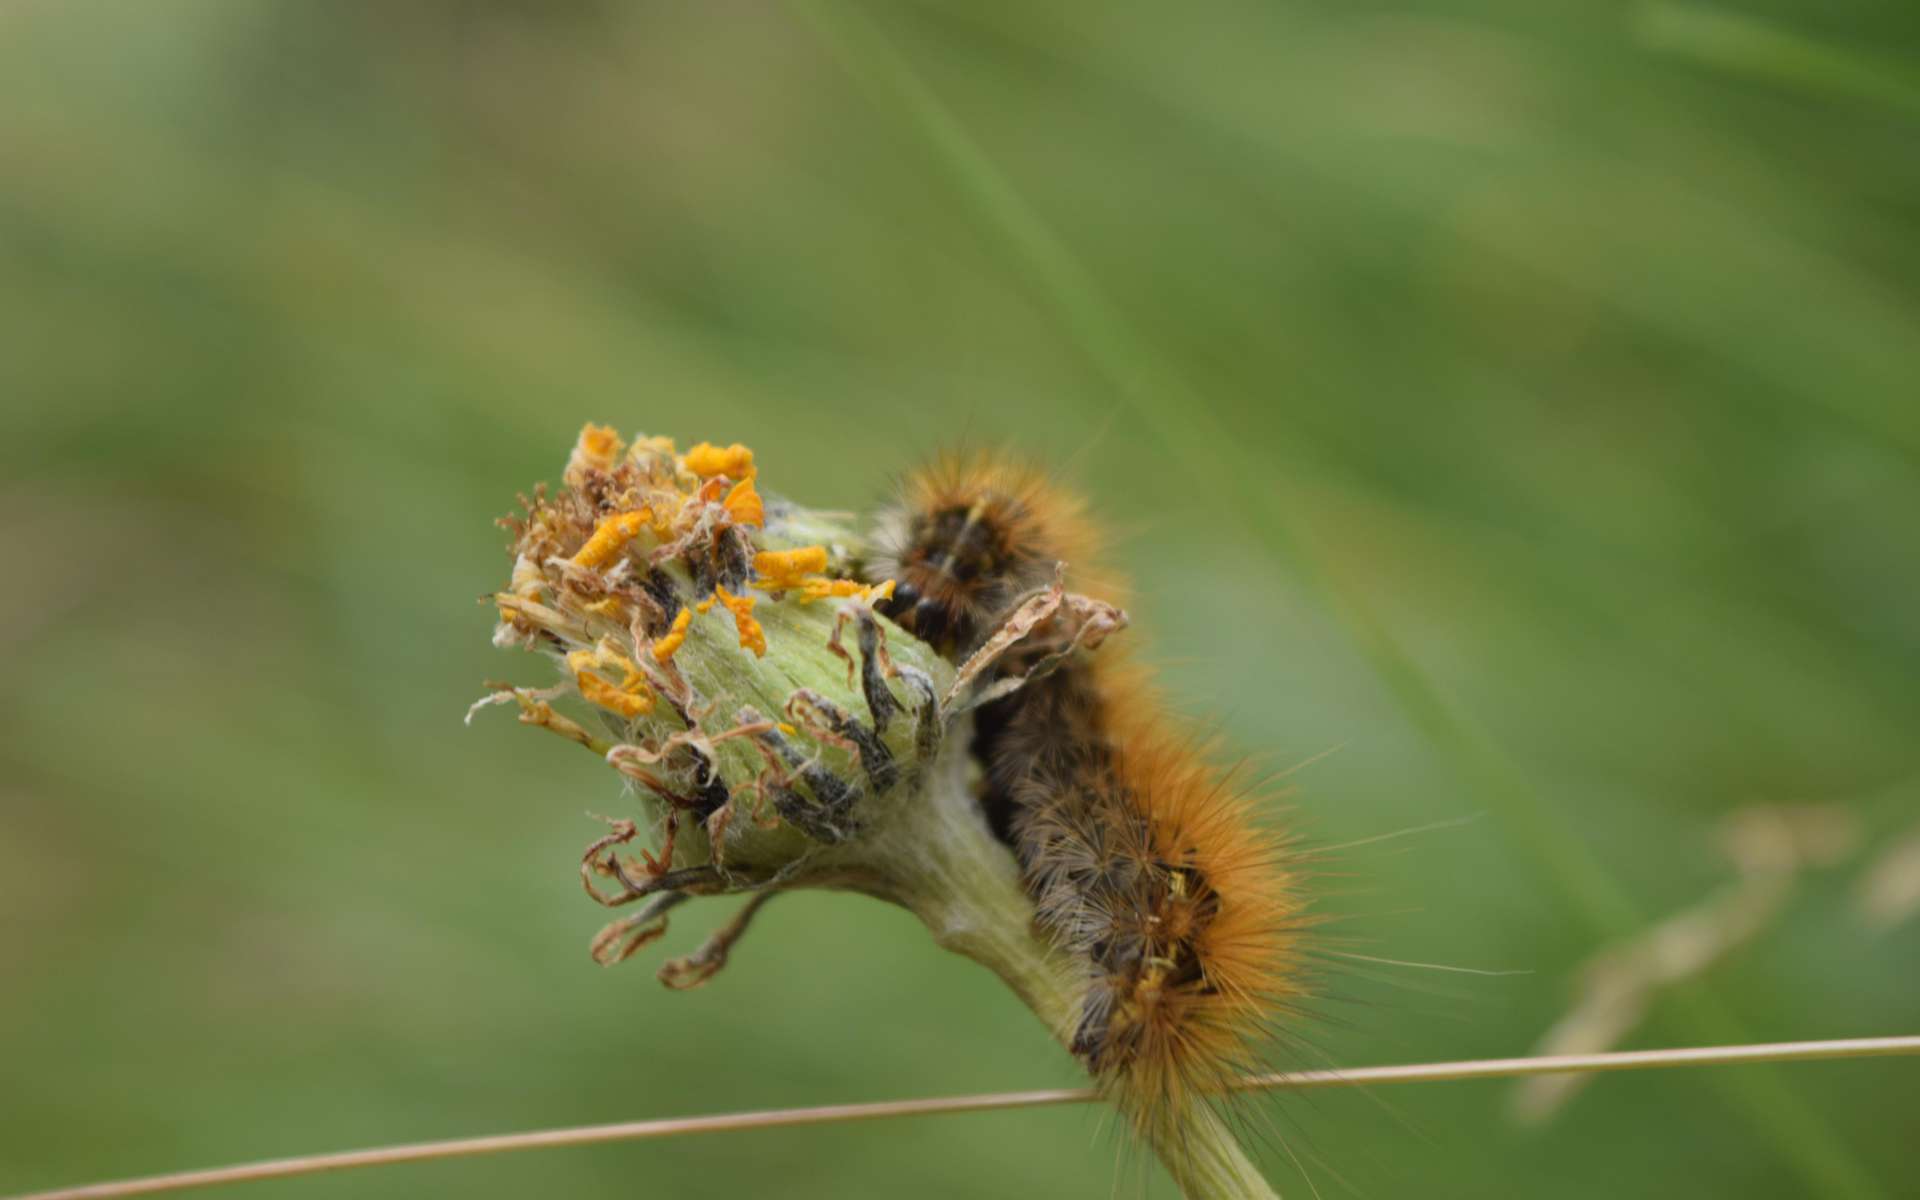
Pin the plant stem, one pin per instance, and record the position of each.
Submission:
(963, 883)
(1205, 1158)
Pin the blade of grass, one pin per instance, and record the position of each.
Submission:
(1848, 368)
(1749, 46)
(1185, 422)
(630, 1131)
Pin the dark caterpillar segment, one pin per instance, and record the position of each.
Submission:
(1107, 882)
(1113, 860)
(1050, 733)
(960, 565)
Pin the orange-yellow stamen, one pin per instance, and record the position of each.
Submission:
(666, 507)
(752, 636)
(743, 504)
(669, 642)
(802, 571)
(607, 696)
(630, 697)
(597, 449)
(611, 536)
(707, 460)
(782, 570)
(821, 588)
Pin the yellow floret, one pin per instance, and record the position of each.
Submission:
(802, 571)
(611, 535)
(743, 504)
(601, 444)
(752, 637)
(598, 448)
(820, 587)
(708, 460)
(781, 570)
(627, 704)
(669, 642)
(630, 697)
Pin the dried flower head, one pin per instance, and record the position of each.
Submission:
(678, 604)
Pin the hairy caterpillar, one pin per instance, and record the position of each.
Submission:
(1142, 859)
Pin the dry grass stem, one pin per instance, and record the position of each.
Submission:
(588, 1135)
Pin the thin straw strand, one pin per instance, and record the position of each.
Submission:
(627, 1131)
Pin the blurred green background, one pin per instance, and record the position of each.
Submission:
(1519, 399)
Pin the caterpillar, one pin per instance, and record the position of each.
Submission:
(1143, 860)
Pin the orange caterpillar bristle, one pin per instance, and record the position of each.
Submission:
(1148, 863)
(969, 536)
(1143, 860)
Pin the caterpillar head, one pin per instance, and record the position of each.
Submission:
(968, 537)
